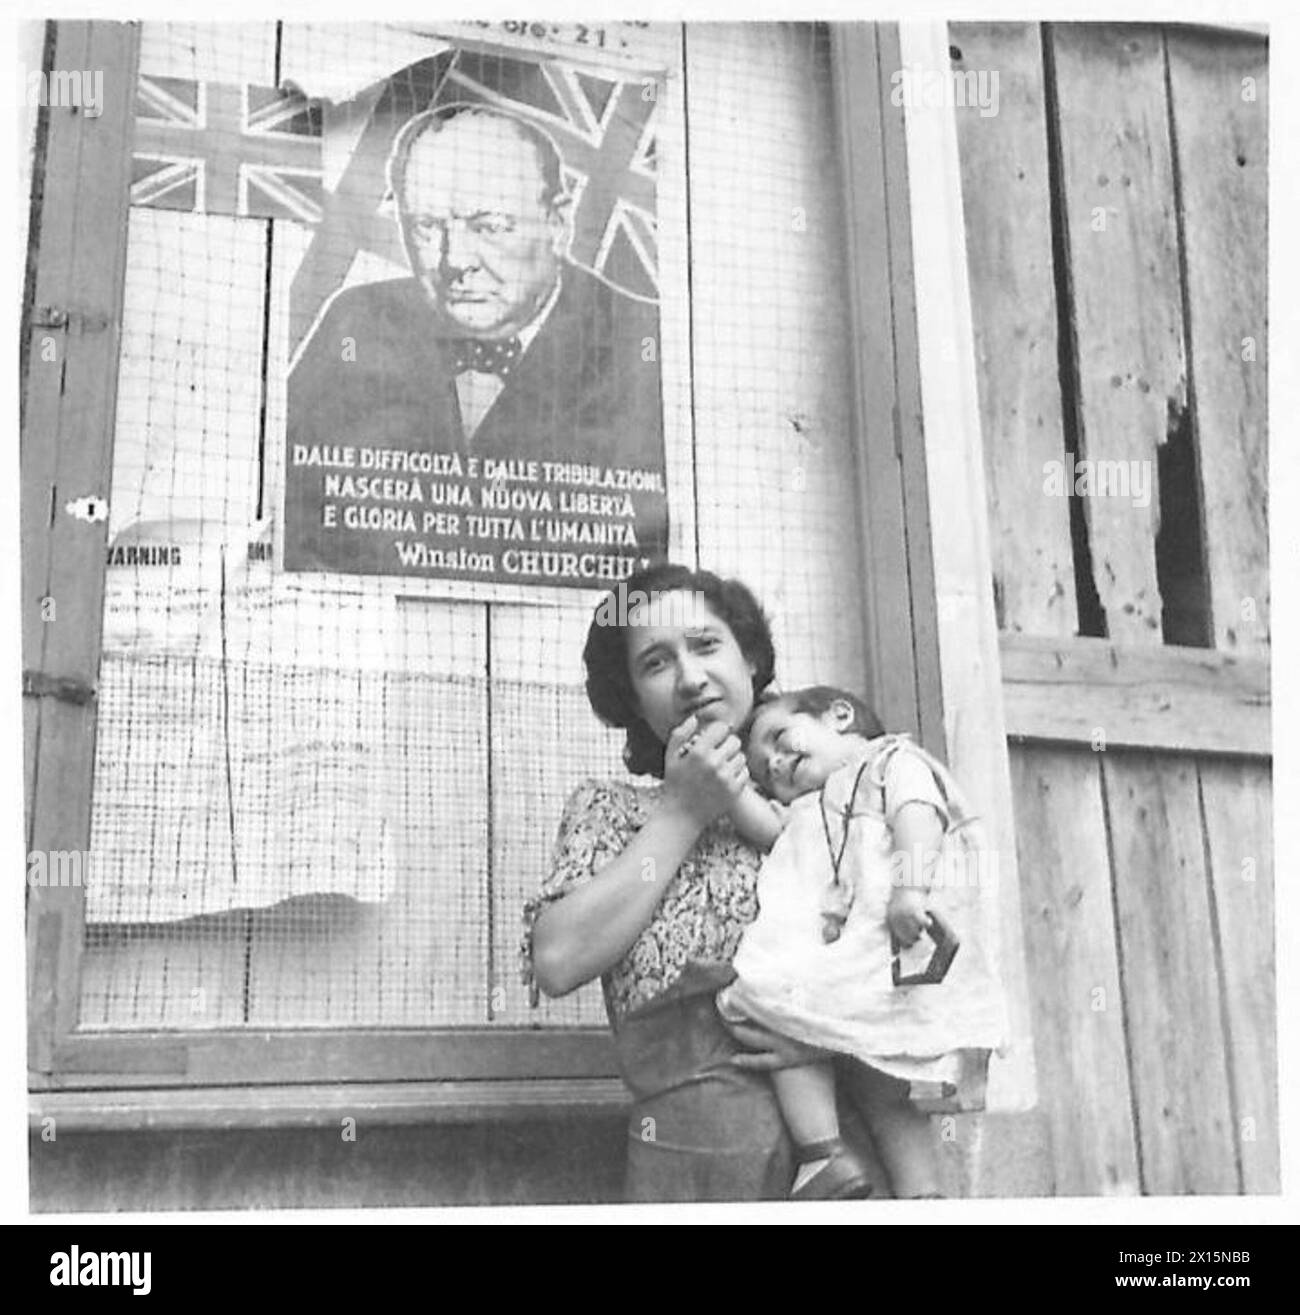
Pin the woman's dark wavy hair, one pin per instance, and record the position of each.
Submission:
(609, 683)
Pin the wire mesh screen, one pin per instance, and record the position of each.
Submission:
(329, 771)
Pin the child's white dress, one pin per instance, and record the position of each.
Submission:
(841, 996)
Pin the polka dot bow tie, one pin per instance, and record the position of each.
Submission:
(489, 355)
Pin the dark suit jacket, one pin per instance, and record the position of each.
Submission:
(581, 392)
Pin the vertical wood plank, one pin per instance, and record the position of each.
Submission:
(887, 603)
(1170, 972)
(1236, 799)
(68, 260)
(974, 739)
(1006, 195)
(32, 38)
(1219, 95)
(67, 454)
(1074, 984)
(1118, 211)
(925, 660)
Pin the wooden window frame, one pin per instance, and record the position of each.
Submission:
(1182, 700)
(296, 1076)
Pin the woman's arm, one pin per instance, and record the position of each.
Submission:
(590, 929)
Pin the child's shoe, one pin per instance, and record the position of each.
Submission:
(844, 1176)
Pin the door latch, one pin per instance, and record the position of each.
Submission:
(67, 689)
(61, 317)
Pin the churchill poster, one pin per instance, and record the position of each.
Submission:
(492, 411)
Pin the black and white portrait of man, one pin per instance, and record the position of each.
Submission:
(497, 343)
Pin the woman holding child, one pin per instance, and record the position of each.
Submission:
(652, 888)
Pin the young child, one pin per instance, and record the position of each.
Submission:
(866, 857)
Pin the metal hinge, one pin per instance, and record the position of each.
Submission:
(60, 317)
(67, 689)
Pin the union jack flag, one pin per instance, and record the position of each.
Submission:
(602, 124)
(228, 150)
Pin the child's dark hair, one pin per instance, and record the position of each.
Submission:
(609, 682)
(817, 699)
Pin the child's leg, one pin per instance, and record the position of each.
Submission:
(807, 1098)
(902, 1133)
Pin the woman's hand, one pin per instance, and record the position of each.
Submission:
(906, 915)
(765, 1051)
(704, 769)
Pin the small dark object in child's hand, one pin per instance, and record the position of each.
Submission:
(946, 945)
